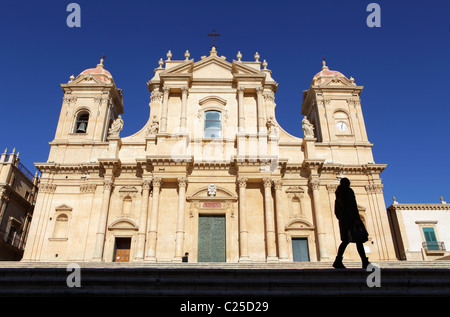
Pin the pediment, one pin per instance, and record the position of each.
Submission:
(221, 194)
(299, 224)
(212, 67)
(243, 69)
(63, 207)
(87, 79)
(123, 224)
(184, 68)
(337, 81)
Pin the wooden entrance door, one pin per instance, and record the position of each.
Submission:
(122, 250)
(211, 238)
(300, 250)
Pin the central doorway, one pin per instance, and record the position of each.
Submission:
(122, 250)
(300, 251)
(211, 238)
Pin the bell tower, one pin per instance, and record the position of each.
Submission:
(91, 103)
(332, 105)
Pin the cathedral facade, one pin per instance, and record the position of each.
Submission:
(211, 173)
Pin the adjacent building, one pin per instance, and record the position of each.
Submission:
(18, 190)
(420, 231)
(211, 173)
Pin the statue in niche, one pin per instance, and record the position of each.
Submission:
(308, 128)
(271, 126)
(116, 126)
(154, 128)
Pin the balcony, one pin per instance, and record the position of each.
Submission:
(434, 246)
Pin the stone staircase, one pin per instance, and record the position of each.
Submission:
(256, 280)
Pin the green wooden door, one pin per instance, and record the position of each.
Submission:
(211, 238)
(300, 250)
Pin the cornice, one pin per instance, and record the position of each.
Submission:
(419, 207)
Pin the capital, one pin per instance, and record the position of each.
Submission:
(314, 184)
(267, 181)
(146, 184)
(182, 182)
(242, 182)
(278, 184)
(157, 181)
(108, 184)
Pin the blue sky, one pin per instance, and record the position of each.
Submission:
(403, 65)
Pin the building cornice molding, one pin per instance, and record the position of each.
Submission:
(438, 206)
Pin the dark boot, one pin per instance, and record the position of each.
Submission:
(365, 262)
(338, 263)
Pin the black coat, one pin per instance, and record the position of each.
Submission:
(346, 211)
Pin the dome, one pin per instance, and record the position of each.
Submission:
(99, 72)
(325, 75)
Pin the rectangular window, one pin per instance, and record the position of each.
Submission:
(213, 124)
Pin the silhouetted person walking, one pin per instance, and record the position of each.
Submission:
(351, 226)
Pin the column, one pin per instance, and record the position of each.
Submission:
(143, 219)
(164, 109)
(243, 230)
(183, 116)
(314, 185)
(179, 240)
(241, 122)
(270, 221)
(260, 108)
(102, 222)
(282, 245)
(152, 233)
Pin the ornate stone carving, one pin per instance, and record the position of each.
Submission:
(146, 184)
(116, 126)
(128, 191)
(374, 188)
(314, 184)
(242, 181)
(212, 190)
(156, 96)
(272, 128)
(87, 188)
(269, 97)
(47, 188)
(154, 128)
(182, 182)
(332, 188)
(157, 181)
(267, 181)
(107, 184)
(278, 184)
(308, 128)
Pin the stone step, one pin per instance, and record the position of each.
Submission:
(257, 265)
(225, 279)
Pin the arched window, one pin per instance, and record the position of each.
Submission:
(82, 122)
(213, 124)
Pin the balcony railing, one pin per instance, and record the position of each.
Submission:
(25, 171)
(433, 246)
